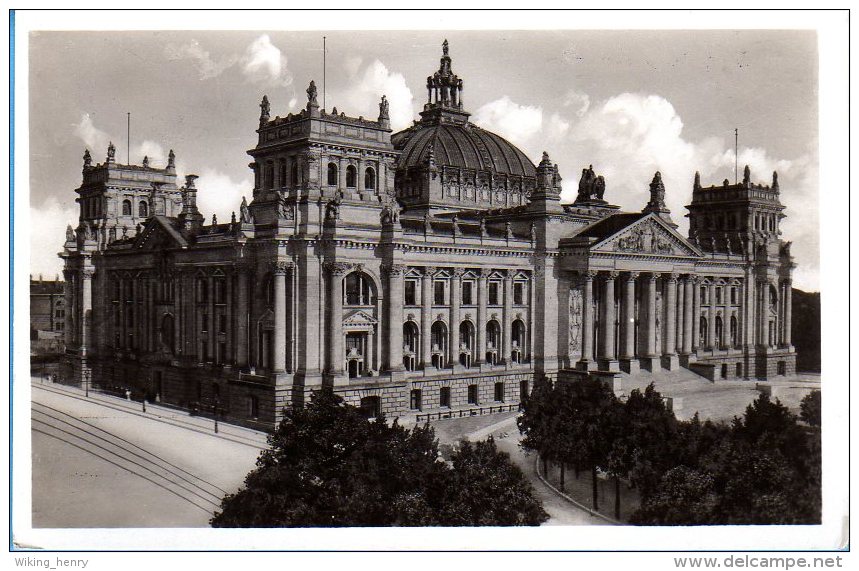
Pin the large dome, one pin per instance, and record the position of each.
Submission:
(461, 145)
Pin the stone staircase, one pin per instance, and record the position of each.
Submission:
(689, 392)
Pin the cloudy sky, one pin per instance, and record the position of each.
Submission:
(628, 102)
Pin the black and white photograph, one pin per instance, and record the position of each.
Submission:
(499, 280)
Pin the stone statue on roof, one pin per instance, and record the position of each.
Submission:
(70, 234)
(111, 152)
(383, 108)
(311, 93)
(244, 212)
(87, 158)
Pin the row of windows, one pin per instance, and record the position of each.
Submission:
(332, 178)
(705, 294)
(142, 208)
(358, 290)
(731, 221)
(416, 395)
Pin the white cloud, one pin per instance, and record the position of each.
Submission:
(218, 194)
(206, 66)
(515, 122)
(155, 152)
(95, 139)
(51, 220)
(579, 101)
(366, 88)
(265, 63)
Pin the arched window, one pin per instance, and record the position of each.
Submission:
(734, 329)
(493, 341)
(126, 208)
(517, 351)
(294, 173)
(370, 179)
(411, 342)
(717, 342)
(358, 289)
(269, 175)
(351, 177)
(702, 332)
(332, 174)
(143, 209)
(466, 343)
(167, 332)
(281, 174)
(438, 343)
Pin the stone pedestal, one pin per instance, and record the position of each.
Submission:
(608, 365)
(670, 362)
(631, 366)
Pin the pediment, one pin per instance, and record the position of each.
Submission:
(157, 235)
(359, 317)
(648, 236)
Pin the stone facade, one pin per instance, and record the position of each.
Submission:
(434, 268)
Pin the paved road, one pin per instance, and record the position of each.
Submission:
(101, 462)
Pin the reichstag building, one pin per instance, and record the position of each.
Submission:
(432, 269)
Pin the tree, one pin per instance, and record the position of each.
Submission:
(536, 423)
(809, 408)
(652, 431)
(486, 488)
(685, 496)
(327, 465)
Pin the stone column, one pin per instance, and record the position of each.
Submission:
(342, 163)
(608, 360)
(86, 276)
(242, 315)
(507, 335)
(586, 361)
(651, 357)
(688, 315)
(229, 358)
(426, 316)
(765, 313)
(381, 177)
(669, 354)
(336, 357)
(455, 318)
(395, 317)
(280, 268)
(151, 316)
(210, 342)
(359, 183)
(788, 312)
(481, 318)
(628, 362)
(711, 316)
(696, 313)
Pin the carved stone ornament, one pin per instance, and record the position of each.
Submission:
(644, 239)
(576, 305)
(395, 270)
(338, 268)
(285, 210)
(87, 274)
(281, 267)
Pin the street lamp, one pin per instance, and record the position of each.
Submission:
(86, 382)
(217, 402)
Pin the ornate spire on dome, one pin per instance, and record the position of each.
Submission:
(87, 159)
(697, 184)
(444, 91)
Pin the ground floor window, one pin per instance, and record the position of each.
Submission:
(739, 369)
(415, 400)
(444, 397)
(499, 392)
(523, 390)
(724, 370)
(781, 368)
(472, 394)
(371, 406)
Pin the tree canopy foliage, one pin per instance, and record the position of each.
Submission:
(327, 465)
(763, 468)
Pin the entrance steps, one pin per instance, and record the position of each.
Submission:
(687, 392)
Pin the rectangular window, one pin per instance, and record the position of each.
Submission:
(733, 295)
(223, 324)
(438, 293)
(499, 392)
(518, 293)
(415, 400)
(493, 293)
(718, 295)
(411, 292)
(703, 295)
(444, 397)
(205, 325)
(221, 291)
(472, 394)
(467, 288)
(222, 352)
(205, 355)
